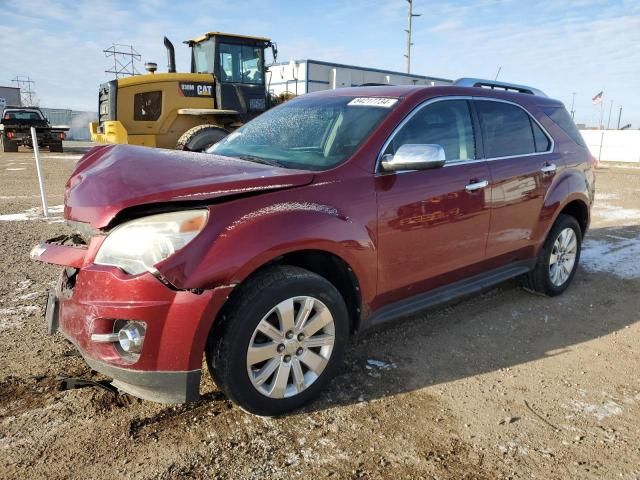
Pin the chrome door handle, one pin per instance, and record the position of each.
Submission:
(548, 168)
(476, 185)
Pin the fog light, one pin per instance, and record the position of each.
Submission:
(131, 337)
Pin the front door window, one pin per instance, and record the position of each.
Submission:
(445, 123)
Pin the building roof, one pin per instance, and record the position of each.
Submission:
(367, 69)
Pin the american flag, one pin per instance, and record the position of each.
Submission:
(597, 100)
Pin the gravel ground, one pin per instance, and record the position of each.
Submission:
(504, 384)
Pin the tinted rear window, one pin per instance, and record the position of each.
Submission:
(561, 117)
(507, 130)
(24, 115)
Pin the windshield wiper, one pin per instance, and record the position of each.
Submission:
(253, 158)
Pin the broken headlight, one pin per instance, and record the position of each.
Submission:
(137, 246)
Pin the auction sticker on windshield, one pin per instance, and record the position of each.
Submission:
(373, 102)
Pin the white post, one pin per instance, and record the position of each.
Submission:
(36, 152)
(601, 142)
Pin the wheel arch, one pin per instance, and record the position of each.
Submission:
(570, 195)
(578, 209)
(322, 262)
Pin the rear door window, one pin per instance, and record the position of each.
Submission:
(508, 130)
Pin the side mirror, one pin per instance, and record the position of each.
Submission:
(415, 157)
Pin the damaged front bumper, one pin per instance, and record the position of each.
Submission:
(90, 302)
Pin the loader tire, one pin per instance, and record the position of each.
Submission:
(198, 139)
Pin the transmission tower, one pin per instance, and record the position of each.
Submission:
(124, 60)
(27, 94)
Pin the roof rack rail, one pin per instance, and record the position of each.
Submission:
(493, 84)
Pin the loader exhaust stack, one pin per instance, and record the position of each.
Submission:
(171, 55)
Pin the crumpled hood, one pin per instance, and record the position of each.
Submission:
(111, 178)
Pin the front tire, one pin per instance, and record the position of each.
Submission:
(558, 259)
(279, 341)
(201, 137)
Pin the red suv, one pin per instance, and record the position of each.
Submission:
(329, 214)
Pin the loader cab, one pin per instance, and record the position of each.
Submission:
(238, 65)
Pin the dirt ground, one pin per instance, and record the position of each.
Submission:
(505, 384)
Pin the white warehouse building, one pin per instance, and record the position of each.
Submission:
(305, 76)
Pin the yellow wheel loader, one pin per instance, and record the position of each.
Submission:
(187, 111)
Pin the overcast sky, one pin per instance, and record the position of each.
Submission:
(580, 46)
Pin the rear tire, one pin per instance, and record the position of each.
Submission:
(198, 139)
(558, 259)
(56, 147)
(299, 359)
(8, 146)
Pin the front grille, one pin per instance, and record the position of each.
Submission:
(107, 97)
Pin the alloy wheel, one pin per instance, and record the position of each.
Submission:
(290, 347)
(563, 257)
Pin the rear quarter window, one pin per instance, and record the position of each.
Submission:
(561, 117)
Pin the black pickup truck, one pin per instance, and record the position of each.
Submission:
(15, 130)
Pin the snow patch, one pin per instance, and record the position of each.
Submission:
(609, 212)
(606, 196)
(18, 310)
(24, 284)
(619, 258)
(8, 315)
(30, 296)
(62, 157)
(373, 363)
(607, 409)
(34, 213)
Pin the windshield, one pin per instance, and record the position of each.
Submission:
(307, 133)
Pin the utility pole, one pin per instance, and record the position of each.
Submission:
(573, 102)
(609, 121)
(410, 16)
(27, 95)
(619, 116)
